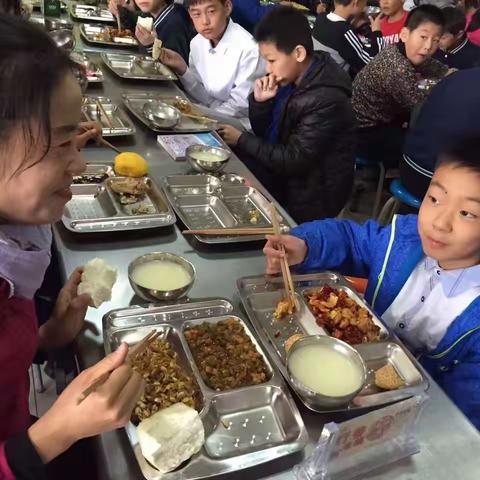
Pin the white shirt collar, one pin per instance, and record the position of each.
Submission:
(335, 18)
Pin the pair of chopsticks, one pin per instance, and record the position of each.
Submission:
(104, 113)
(200, 118)
(102, 140)
(287, 276)
(232, 231)
(136, 350)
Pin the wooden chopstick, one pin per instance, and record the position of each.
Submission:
(136, 350)
(231, 231)
(104, 113)
(287, 277)
(109, 145)
(199, 117)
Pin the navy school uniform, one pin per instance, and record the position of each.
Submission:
(465, 55)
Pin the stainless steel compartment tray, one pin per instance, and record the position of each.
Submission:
(90, 31)
(91, 13)
(243, 427)
(260, 296)
(135, 102)
(137, 67)
(95, 208)
(117, 124)
(94, 169)
(204, 202)
(94, 72)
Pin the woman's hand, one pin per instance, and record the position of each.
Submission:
(88, 131)
(68, 317)
(144, 36)
(295, 251)
(107, 408)
(173, 60)
(229, 134)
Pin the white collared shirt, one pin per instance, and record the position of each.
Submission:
(222, 77)
(430, 301)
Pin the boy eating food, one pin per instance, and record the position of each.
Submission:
(423, 271)
(224, 60)
(303, 147)
(387, 89)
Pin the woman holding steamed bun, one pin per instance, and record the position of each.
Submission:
(38, 158)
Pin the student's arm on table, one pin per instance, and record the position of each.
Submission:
(249, 68)
(432, 68)
(193, 84)
(403, 88)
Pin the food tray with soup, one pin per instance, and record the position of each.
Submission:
(118, 204)
(150, 109)
(137, 67)
(206, 202)
(328, 306)
(107, 36)
(115, 122)
(208, 358)
(91, 13)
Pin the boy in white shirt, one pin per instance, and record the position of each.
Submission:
(224, 60)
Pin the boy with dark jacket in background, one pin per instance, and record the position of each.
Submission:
(303, 147)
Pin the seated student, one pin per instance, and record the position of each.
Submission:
(224, 60)
(456, 50)
(392, 21)
(334, 34)
(171, 25)
(472, 11)
(39, 134)
(446, 114)
(127, 10)
(423, 271)
(386, 90)
(303, 147)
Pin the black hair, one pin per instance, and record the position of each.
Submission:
(286, 28)
(462, 152)
(455, 20)
(424, 14)
(31, 67)
(191, 3)
(12, 7)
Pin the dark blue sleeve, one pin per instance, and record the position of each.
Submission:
(249, 12)
(341, 245)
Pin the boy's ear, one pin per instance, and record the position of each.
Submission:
(300, 53)
(404, 34)
(228, 7)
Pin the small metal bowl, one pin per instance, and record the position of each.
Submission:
(52, 24)
(203, 166)
(372, 11)
(317, 400)
(63, 39)
(154, 295)
(161, 114)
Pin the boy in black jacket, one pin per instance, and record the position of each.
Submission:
(456, 50)
(303, 147)
(334, 34)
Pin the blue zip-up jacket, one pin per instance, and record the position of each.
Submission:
(387, 256)
(248, 13)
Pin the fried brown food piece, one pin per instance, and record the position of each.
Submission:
(225, 355)
(183, 105)
(341, 316)
(387, 378)
(166, 381)
(129, 186)
(291, 340)
(284, 308)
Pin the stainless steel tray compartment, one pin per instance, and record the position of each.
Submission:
(96, 208)
(94, 169)
(88, 32)
(94, 73)
(135, 102)
(120, 123)
(243, 427)
(260, 296)
(91, 13)
(138, 67)
(249, 419)
(204, 202)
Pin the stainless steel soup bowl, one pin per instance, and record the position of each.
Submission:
(161, 114)
(152, 295)
(318, 400)
(202, 166)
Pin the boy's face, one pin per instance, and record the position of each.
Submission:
(421, 43)
(449, 217)
(391, 7)
(449, 40)
(285, 67)
(210, 18)
(147, 6)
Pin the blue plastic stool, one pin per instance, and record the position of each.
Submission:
(400, 196)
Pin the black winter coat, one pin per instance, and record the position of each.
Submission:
(311, 168)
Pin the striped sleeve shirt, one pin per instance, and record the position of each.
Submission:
(335, 35)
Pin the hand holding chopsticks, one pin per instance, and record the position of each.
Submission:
(287, 277)
(136, 350)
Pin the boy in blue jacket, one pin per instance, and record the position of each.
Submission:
(423, 271)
